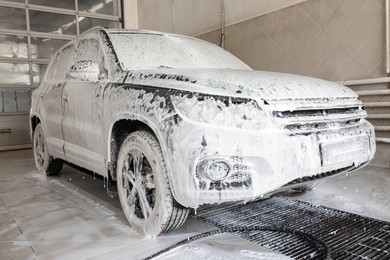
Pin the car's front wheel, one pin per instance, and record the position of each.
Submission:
(44, 162)
(143, 186)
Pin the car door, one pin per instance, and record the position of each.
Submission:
(82, 125)
(49, 98)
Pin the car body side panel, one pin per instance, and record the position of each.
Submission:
(47, 100)
(127, 101)
(82, 125)
(50, 110)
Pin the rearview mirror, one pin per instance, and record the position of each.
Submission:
(85, 70)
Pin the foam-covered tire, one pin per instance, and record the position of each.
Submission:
(143, 186)
(44, 162)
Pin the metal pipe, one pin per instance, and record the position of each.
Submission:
(76, 7)
(373, 92)
(382, 128)
(378, 116)
(12, 4)
(15, 147)
(364, 81)
(173, 15)
(387, 37)
(13, 32)
(382, 140)
(29, 45)
(57, 10)
(53, 35)
(14, 60)
(222, 43)
(376, 104)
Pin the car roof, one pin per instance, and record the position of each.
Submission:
(132, 31)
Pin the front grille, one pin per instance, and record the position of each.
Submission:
(318, 112)
(321, 125)
(303, 115)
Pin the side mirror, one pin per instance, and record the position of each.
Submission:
(85, 70)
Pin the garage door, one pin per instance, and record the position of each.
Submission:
(31, 31)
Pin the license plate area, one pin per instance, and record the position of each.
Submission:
(349, 149)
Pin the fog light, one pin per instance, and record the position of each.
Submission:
(216, 169)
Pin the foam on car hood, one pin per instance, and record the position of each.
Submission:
(239, 83)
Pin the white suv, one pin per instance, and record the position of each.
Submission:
(176, 122)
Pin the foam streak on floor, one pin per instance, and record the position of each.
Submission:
(71, 216)
(50, 218)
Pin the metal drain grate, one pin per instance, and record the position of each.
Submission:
(346, 235)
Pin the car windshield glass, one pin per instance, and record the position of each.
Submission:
(144, 50)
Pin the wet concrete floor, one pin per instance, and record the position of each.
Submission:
(70, 216)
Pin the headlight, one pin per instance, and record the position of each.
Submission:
(220, 111)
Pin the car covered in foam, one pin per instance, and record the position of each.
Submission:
(174, 123)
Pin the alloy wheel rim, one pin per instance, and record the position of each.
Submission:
(138, 186)
(39, 148)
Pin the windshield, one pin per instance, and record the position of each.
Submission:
(143, 50)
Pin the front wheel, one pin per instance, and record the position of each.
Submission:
(143, 186)
(44, 162)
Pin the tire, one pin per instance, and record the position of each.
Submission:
(143, 186)
(44, 162)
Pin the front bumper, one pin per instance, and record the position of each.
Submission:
(272, 158)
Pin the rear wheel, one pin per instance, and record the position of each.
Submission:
(143, 186)
(44, 162)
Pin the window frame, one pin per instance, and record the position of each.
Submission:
(24, 7)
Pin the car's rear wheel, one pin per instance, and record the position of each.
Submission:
(44, 162)
(143, 186)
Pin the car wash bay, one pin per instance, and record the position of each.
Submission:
(70, 216)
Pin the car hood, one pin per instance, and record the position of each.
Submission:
(239, 83)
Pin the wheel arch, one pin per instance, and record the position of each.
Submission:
(34, 121)
(119, 130)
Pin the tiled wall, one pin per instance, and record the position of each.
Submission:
(329, 39)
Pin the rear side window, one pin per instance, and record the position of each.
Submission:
(62, 65)
(49, 75)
